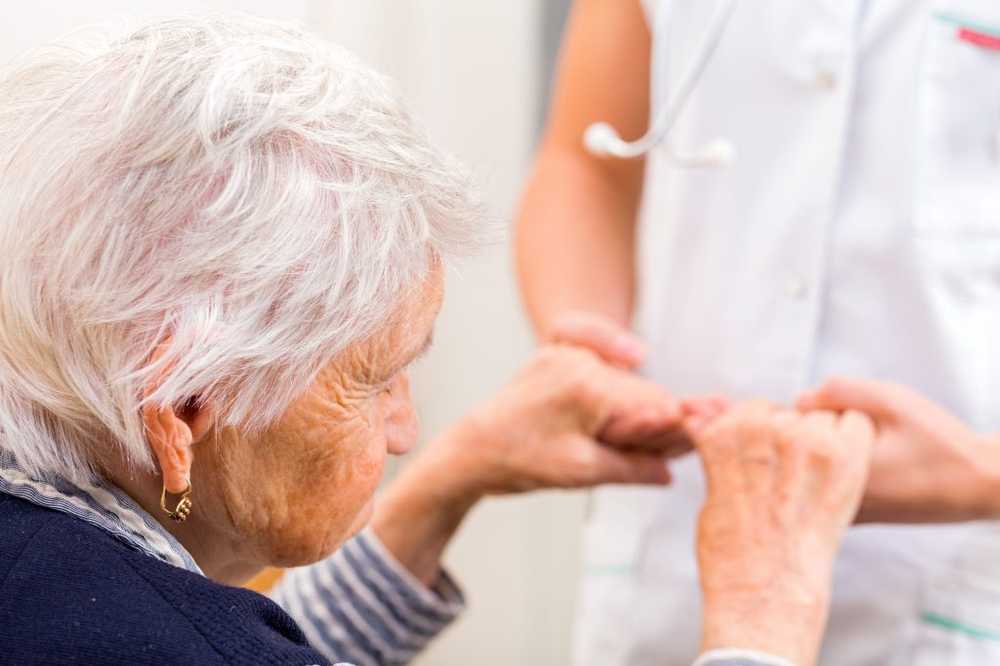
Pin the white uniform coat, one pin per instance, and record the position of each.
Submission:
(857, 233)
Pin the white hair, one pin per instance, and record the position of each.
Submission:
(245, 191)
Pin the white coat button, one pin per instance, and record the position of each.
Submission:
(826, 79)
(797, 288)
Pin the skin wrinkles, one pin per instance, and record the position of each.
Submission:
(294, 492)
(326, 454)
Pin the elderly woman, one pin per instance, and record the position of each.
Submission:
(222, 244)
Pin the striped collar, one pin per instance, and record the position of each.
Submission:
(100, 504)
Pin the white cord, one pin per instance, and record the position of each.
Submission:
(601, 138)
(724, 655)
(718, 153)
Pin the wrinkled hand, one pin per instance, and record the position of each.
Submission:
(782, 489)
(568, 420)
(927, 466)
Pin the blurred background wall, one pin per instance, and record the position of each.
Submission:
(476, 74)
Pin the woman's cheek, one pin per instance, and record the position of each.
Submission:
(335, 488)
(362, 488)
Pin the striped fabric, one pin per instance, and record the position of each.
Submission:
(359, 605)
(363, 606)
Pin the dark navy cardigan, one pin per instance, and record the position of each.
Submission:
(71, 593)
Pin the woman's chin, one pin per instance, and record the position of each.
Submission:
(362, 519)
(299, 551)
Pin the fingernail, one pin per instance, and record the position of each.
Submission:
(660, 474)
(696, 409)
(696, 424)
(631, 347)
(671, 412)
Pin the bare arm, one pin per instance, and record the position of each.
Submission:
(576, 227)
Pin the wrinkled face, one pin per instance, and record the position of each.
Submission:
(296, 492)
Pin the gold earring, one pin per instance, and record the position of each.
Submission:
(183, 508)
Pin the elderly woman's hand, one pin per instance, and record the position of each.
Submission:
(567, 420)
(782, 489)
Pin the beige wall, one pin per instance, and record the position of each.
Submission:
(470, 69)
(471, 72)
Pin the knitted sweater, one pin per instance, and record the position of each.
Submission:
(359, 606)
(70, 593)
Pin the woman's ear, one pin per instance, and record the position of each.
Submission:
(171, 439)
(172, 434)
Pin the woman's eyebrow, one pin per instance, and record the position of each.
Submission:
(425, 346)
(421, 351)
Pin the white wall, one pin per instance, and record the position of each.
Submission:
(24, 24)
(470, 70)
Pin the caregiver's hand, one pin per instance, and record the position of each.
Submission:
(548, 428)
(782, 489)
(619, 347)
(600, 334)
(927, 465)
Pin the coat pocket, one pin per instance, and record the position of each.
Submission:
(957, 187)
(958, 625)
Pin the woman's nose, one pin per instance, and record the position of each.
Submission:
(402, 424)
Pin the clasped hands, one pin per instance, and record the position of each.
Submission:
(925, 464)
(783, 483)
(577, 416)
